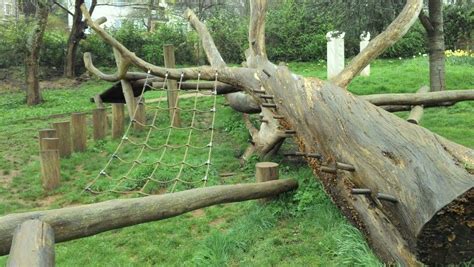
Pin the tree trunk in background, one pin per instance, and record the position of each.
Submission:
(34, 42)
(436, 46)
(75, 36)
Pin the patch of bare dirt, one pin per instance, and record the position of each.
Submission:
(198, 213)
(6, 177)
(217, 222)
(47, 201)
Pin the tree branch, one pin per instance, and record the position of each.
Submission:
(63, 8)
(212, 53)
(425, 21)
(377, 46)
(241, 78)
(420, 98)
(258, 9)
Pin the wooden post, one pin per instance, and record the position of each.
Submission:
(99, 119)
(264, 172)
(140, 117)
(50, 173)
(46, 133)
(63, 129)
(33, 245)
(417, 111)
(117, 120)
(168, 52)
(50, 143)
(79, 132)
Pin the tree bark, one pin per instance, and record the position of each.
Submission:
(34, 42)
(75, 36)
(429, 99)
(76, 222)
(435, 31)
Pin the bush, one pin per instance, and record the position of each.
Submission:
(295, 33)
(12, 44)
(458, 26)
(53, 50)
(413, 43)
(230, 33)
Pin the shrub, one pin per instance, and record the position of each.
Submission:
(458, 26)
(413, 43)
(296, 33)
(53, 49)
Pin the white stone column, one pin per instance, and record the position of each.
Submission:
(335, 53)
(364, 41)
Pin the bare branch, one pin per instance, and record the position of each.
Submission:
(258, 9)
(377, 46)
(212, 53)
(63, 8)
(430, 98)
(207, 73)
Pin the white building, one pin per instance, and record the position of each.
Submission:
(116, 11)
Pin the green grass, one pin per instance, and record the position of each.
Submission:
(298, 229)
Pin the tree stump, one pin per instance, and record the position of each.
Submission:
(63, 130)
(264, 172)
(33, 245)
(99, 120)
(50, 144)
(79, 132)
(140, 117)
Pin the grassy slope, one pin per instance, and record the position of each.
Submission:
(299, 229)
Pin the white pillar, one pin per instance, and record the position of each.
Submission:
(364, 41)
(335, 53)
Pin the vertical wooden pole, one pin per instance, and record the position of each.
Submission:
(79, 132)
(99, 121)
(50, 143)
(117, 120)
(50, 172)
(32, 245)
(264, 172)
(46, 133)
(168, 52)
(63, 130)
(140, 117)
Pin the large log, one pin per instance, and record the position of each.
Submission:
(81, 221)
(33, 245)
(424, 172)
(428, 99)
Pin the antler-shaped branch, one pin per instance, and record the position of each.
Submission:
(226, 75)
(377, 46)
(212, 53)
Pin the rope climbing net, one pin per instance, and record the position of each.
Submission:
(163, 159)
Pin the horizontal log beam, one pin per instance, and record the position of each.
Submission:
(86, 220)
(221, 88)
(420, 98)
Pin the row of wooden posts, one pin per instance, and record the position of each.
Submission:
(34, 240)
(67, 137)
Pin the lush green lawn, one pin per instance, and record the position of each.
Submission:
(302, 228)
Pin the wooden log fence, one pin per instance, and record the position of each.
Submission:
(173, 94)
(99, 121)
(86, 220)
(118, 117)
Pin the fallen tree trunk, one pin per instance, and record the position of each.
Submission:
(426, 99)
(81, 221)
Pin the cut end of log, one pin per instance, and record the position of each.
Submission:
(448, 237)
